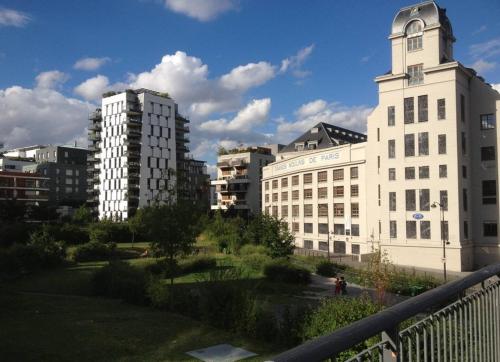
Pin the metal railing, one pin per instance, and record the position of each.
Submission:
(452, 326)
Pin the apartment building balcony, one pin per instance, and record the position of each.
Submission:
(181, 147)
(133, 110)
(181, 127)
(96, 115)
(133, 122)
(181, 118)
(133, 132)
(130, 141)
(94, 148)
(95, 126)
(94, 136)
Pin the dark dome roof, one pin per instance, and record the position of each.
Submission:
(429, 12)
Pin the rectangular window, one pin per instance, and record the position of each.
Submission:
(308, 193)
(284, 210)
(425, 229)
(487, 121)
(338, 174)
(490, 229)
(323, 245)
(295, 210)
(295, 180)
(409, 109)
(308, 244)
(409, 145)
(464, 144)
(322, 228)
(391, 148)
(442, 144)
(284, 182)
(69, 172)
(423, 143)
(409, 173)
(444, 230)
(465, 199)
(424, 198)
(464, 171)
(354, 190)
(322, 209)
(275, 184)
(392, 174)
(462, 107)
(443, 171)
(422, 109)
(308, 178)
(489, 192)
(355, 230)
(443, 199)
(414, 43)
(338, 191)
(392, 201)
(266, 185)
(354, 173)
(295, 194)
(308, 228)
(488, 153)
(423, 172)
(466, 229)
(275, 197)
(411, 202)
(415, 74)
(275, 211)
(308, 210)
(338, 229)
(354, 209)
(295, 227)
(393, 227)
(322, 176)
(378, 134)
(391, 116)
(284, 196)
(338, 209)
(411, 229)
(322, 192)
(441, 109)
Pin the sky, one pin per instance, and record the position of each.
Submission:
(246, 72)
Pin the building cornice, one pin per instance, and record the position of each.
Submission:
(386, 77)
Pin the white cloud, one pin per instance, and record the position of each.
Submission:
(486, 49)
(496, 87)
(93, 88)
(311, 108)
(91, 63)
(246, 76)
(50, 79)
(40, 116)
(9, 17)
(480, 29)
(482, 66)
(295, 62)
(203, 10)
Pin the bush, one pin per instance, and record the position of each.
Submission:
(255, 262)
(182, 299)
(93, 251)
(198, 264)
(50, 252)
(250, 249)
(119, 279)
(326, 269)
(284, 271)
(106, 231)
(71, 233)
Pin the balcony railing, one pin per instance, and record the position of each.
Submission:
(466, 328)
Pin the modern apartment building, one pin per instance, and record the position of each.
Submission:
(28, 188)
(238, 183)
(427, 176)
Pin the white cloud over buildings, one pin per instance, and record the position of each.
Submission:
(202, 10)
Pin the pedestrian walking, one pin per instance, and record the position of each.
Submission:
(338, 286)
(343, 286)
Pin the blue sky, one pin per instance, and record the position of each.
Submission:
(244, 71)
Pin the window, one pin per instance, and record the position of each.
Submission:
(409, 145)
(393, 229)
(354, 209)
(69, 172)
(462, 107)
(275, 197)
(338, 191)
(488, 153)
(444, 230)
(338, 229)
(355, 229)
(411, 229)
(408, 106)
(487, 121)
(425, 229)
(68, 190)
(489, 192)
(267, 197)
(443, 199)
(392, 174)
(284, 211)
(275, 184)
(391, 116)
(423, 143)
(378, 134)
(266, 187)
(424, 198)
(308, 244)
(323, 245)
(414, 36)
(322, 209)
(490, 228)
(464, 171)
(308, 228)
(322, 228)
(295, 180)
(409, 173)
(441, 109)
(69, 181)
(275, 211)
(443, 171)
(295, 194)
(392, 201)
(322, 176)
(323, 193)
(411, 202)
(338, 209)
(415, 74)
(284, 196)
(308, 193)
(354, 173)
(422, 109)
(465, 199)
(391, 148)
(354, 190)
(414, 43)
(442, 144)
(308, 210)
(308, 178)
(466, 229)
(464, 144)
(423, 172)
(295, 210)
(338, 174)
(284, 182)
(295, 227)
(299, 147)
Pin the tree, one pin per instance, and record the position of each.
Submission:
(271, 232)
(82, 216)
(171, 229)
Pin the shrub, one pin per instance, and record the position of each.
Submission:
(180, 299)
(262, 324)
(326, 269)
(284, 271)
(106, 231)
(291, 324)
(119, 279)
(255, 262)
(71, 233)
(93, 251)
(198, 264)
(50, 252)
(250, 249)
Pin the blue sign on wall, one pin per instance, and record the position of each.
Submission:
(418, 216)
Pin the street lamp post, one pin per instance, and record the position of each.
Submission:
(443, 236)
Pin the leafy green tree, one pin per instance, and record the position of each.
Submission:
(136, 224)
(83, 216)
(273, 233)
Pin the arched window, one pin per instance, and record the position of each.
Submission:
(414, 35)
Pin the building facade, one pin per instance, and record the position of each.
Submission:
(24, 187)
